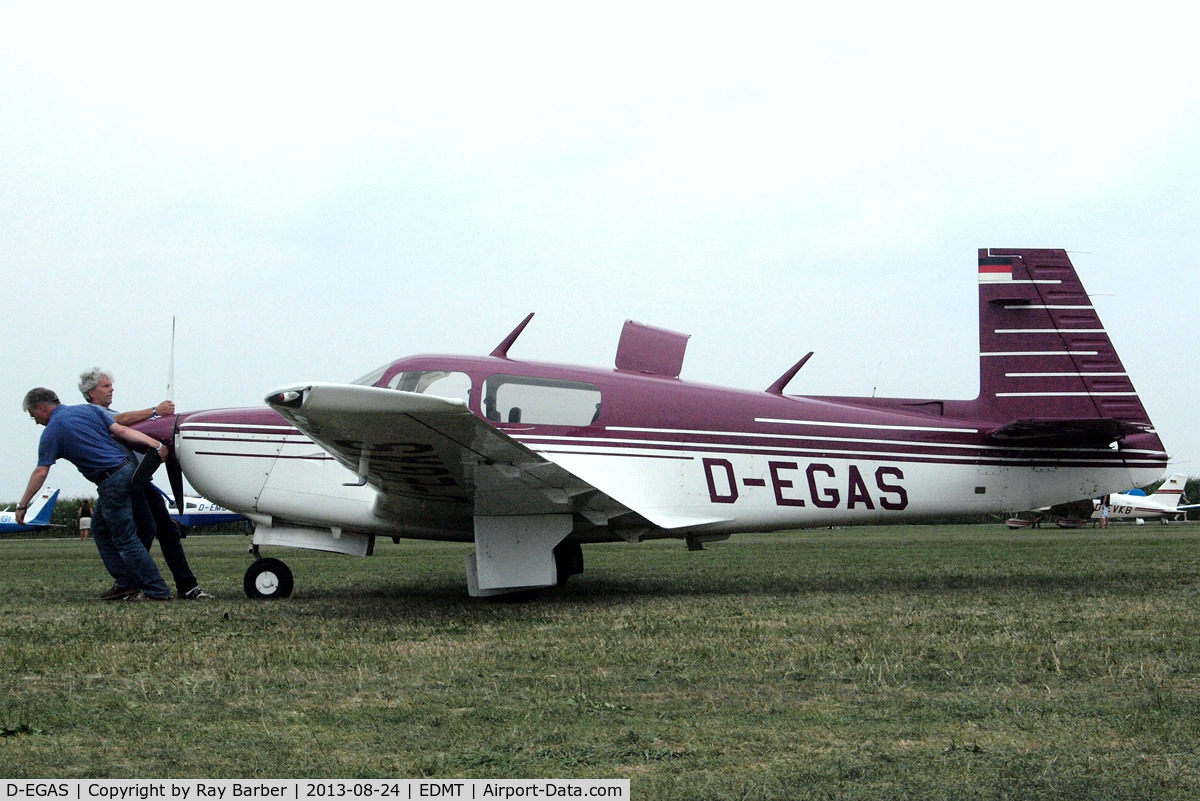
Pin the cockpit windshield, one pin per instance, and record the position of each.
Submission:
(443, 383)
(372, 377)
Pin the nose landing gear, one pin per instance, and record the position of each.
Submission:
(268, 579)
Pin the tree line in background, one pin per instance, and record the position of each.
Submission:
(64, 522)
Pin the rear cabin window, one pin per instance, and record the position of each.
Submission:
(442, 383)
(540, 401)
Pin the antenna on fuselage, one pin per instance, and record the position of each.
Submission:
(501, 351)
(783, 380)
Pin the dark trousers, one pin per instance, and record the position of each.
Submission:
(114, 530)
(154, 521)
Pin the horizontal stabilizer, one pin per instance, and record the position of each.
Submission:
(1085, 433)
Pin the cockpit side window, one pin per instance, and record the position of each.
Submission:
(544, 401)
(442, 383)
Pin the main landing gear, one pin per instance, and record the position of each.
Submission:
(568, 559)
(269, 579)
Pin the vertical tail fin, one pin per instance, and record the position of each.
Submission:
(41, 507)
(1171, 491)
(1044, 354)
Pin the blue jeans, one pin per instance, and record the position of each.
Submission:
(152, 519)
(115, 535)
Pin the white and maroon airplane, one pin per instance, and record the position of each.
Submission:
(1164, 502)
(531, 460)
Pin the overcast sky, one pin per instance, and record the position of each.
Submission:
(312, 191)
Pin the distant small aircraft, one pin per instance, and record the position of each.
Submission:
(531, 460)
(1164, 502)
(199, 512)
(37, 517)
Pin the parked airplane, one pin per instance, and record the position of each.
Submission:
(38, 515)
(1164, 502)
(530, 460)
(1135, 504)
(199, 512)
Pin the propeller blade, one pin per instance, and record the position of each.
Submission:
(175, 477)
(175, 469)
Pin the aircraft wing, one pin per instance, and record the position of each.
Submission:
(431, 457)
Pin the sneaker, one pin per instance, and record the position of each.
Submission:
(196, 594)
(115, 593)
(141, 596)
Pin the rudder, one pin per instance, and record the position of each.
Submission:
(41, 508)
(1171, 491)
(1044, 354)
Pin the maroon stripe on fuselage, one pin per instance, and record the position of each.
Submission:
(811, 446)
(818, 447)
(265, 456)
(878, 457)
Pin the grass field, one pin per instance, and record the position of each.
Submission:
(949, 662)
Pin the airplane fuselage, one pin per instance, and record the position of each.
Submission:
(9, 524)
(727, 460)
(530, 459)
(1130, 507)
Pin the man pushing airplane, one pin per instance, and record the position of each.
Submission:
(85, 436)
(150, 513)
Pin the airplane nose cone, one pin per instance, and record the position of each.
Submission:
(227, 454)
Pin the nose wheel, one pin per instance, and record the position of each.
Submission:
(268, 579)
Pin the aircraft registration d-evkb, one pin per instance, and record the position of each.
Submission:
(1164, 502)
(531, 460)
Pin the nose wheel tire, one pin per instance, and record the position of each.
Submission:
(268, 579)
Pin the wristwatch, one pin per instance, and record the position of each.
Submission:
(154, 414)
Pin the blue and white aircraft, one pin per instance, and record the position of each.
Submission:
(37, 517)
(199, 511)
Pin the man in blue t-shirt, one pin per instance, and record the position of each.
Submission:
(84, 436)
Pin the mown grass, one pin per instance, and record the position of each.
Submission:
(949, 662)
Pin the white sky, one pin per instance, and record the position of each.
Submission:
(312, 191)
